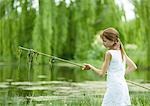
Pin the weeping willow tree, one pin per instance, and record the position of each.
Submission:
(7, 27)
(57, 28)
(68, 52)
(42, 34)
(85, 17)
(142, 10)
(60, 30)
(15, 27)
(8, 30)
(108, 14)
(26, 23)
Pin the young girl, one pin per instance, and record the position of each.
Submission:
(114, 64)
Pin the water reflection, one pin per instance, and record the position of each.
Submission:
(57, 71)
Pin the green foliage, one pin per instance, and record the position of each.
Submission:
(142, 10)
(42, 33)
(68, 30)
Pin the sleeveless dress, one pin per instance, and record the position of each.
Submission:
(117, 93)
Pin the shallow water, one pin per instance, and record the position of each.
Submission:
(49, 91)
(58, 83)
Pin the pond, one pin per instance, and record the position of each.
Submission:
(61, 85)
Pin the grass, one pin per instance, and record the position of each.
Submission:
(137, 99)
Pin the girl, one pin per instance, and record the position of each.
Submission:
(117, 93)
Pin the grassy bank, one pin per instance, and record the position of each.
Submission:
(138, 99)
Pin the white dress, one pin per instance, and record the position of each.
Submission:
(117, 93)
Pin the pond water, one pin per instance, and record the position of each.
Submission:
(58, 72)
(57, 83)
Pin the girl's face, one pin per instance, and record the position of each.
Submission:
(107, 43)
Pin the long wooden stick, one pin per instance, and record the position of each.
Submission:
(137, 84)
(50, 56)
(76, 64)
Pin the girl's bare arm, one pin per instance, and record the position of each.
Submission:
(131, 66)
(105, 65)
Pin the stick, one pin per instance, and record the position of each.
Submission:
(137, 84)
(54, 57)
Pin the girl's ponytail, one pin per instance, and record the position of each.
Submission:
(123, 53)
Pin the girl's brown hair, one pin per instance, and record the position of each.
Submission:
(113, 35)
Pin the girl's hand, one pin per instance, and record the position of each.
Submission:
(86, 67)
